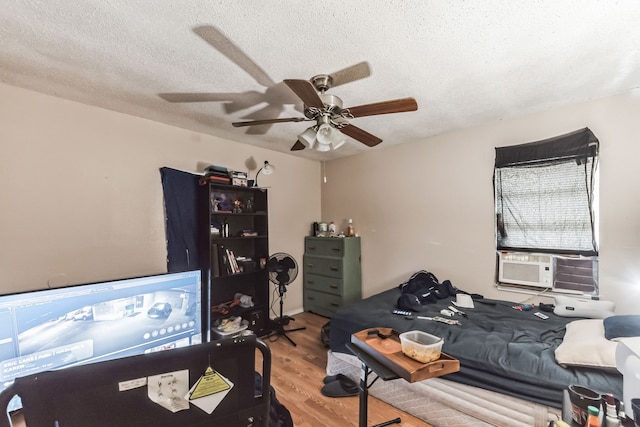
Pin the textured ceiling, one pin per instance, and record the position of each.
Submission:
(465, 62)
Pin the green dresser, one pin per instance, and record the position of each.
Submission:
(332, 276)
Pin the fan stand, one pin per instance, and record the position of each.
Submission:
(282, 321)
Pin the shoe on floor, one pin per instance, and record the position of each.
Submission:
(331, 378)
(340, 387)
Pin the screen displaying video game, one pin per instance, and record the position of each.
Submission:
(57, 328)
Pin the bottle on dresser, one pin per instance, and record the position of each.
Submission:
(351, 232)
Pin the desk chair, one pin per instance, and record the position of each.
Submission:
(88, 395)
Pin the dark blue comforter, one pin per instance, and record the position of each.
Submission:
(499, 348)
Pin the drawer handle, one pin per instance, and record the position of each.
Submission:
(335, 249)
(333, 286)
(334, 269)
(313, 248)
(310, 265)
(310, 282)
(335, 304)
(311, 298)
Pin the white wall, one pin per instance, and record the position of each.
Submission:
(429, 205)
(81, 198)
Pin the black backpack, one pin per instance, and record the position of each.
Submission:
(425, 286)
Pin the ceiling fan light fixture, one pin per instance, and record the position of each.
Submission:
(308, 137)
(327, 134)
(323, 147)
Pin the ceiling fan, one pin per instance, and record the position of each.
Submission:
(327, 111)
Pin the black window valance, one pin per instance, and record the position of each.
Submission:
(577, 145)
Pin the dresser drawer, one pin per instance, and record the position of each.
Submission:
(324, 246)
(330, 285)
(321, 303)
(324, 266)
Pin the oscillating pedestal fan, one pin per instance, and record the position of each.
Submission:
(283, 270)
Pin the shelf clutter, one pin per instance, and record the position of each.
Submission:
(224, 261)
(222, 175)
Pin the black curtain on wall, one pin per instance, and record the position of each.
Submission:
(180, 191)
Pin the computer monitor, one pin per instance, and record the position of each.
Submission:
(57, 328)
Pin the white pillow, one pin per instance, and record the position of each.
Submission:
(574, 307)
(584, 344)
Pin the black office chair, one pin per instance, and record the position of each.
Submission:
(88, 395)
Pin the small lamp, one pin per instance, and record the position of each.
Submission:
(267, 169)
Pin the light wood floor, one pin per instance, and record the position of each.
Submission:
(297, 373)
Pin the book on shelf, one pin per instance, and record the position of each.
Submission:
(219, 179)
(224, 265)
(232, 262)
(215, 261)
(216, 170)
(236, 267)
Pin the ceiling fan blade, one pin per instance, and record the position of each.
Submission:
(267, 121)
(298, 146)
(269, 110)
(360, 135)
(350, 74)
(306, 92)
(385, 107)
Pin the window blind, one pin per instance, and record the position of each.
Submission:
(544, 194)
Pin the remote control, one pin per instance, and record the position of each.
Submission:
(402, 312)
(540, 315)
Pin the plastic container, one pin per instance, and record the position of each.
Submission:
(593, 419)
(421, 346)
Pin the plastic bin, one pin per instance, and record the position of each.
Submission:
(421, 346)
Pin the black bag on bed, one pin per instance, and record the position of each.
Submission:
(425, 286)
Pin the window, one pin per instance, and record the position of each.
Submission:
(545, 200)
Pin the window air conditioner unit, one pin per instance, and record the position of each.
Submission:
(527, 269)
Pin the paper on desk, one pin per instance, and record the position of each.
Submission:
(464, 301)
(168, 389)
(207, 393)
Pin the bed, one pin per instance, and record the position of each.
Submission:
(508, 371)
